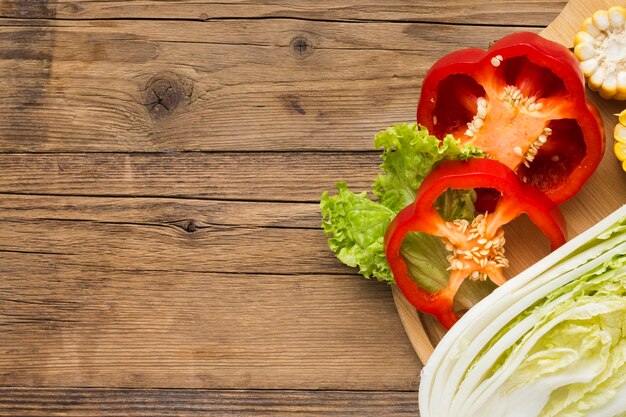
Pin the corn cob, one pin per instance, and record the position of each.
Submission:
(600, 46)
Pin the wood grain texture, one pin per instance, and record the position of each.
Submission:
(159, 225)
(135, 328)
(291, 176)
(565, 26)
(482, 12)
(118, 292)
(274, 84)
(15, 402)
(189, 214)
(184, 241)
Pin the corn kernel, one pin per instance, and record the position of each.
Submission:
(600, 19)
(620, 139)
(620, 150)
(584, 51)
(590, 28)
(597, 78)
(617, 16)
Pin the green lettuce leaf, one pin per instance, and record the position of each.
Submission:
(356, 226)
(409, 155)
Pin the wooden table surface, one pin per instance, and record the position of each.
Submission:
(161, 166)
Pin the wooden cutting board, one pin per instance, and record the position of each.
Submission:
(603, 193)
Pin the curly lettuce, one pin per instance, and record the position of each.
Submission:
(356, 226)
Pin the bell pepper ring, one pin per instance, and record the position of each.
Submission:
(476, 248)
(523, 103)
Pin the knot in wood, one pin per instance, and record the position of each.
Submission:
(300, 47)
(73, 8)
(163, 94)
(191, 226)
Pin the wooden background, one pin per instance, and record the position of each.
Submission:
(161, 164)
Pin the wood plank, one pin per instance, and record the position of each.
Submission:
(290, 176)
(185, 213)
(503, 12)
(63, 325)
(155, 403)
(273, 84)
(191, 235)
(172, 247)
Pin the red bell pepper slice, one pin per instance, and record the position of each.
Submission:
(523, 103)
(476, 248)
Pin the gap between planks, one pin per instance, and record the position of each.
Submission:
(270, 18)
(450, 11)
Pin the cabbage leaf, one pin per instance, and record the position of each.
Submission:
(549, 343)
